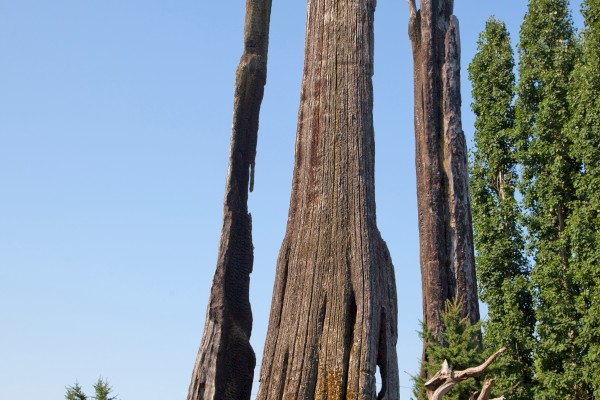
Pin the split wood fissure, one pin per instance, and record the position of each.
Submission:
(334, 275)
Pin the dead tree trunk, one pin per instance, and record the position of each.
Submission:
(445, 228)
(334, 314)
(225, 364)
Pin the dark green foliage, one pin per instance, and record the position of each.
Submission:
(75, 393)
(548, 51)
(583, 226)
(101, 388)
(460, 349)
(502, 268)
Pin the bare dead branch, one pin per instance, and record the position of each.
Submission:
(477, 371)
(487, 389)
(446, 379)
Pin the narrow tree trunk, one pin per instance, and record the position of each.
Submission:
(445, 229)
(334, 314)
(225, 364)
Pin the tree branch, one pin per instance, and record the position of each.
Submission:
(446, 379)
(487, 389)
(477, 371)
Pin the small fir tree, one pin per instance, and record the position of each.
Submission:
(75, 393)
(460, 348)
(103, 390)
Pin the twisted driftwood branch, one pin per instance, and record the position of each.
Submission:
(446, 379)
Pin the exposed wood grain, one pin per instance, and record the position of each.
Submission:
(445, 228)
(487, 389)
(445, 379)
(334, 314)
(224, 367)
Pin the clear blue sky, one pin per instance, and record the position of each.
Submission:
(115, 120)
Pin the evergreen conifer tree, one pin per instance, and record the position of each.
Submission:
(460, 347)
(502, 267)
(584, 225)
(547, 51)
(103, 390)
(75, 393)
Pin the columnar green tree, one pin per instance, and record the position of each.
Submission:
(548, 50)
(584, 225)
(502, 268)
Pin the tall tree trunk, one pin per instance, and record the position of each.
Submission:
(225, 364)
(334, 313)
(445, 229)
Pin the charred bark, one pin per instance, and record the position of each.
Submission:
(445, 227)
(225, 363)
(334, 314)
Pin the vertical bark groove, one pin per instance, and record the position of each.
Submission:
(224, 367)
(339, 273)
(445, 228)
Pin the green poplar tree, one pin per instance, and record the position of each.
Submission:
(502, 268)
(547, 52)
(584, 225)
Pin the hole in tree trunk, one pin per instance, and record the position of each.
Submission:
(381, 371)
(378, 380)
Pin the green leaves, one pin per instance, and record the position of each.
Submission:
(545, 152)
(502, 268)
(583, 227)
(548, 53)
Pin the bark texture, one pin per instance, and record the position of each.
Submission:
(445, 227)
(334, 314)
(225, 364)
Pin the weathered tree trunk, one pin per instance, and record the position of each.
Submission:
(334, 313)
(445, 228)
(225, 364)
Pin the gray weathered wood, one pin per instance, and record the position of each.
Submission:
(445, 228)
(487, 389)
(334, 314)
(445, 379)
(224, 367)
